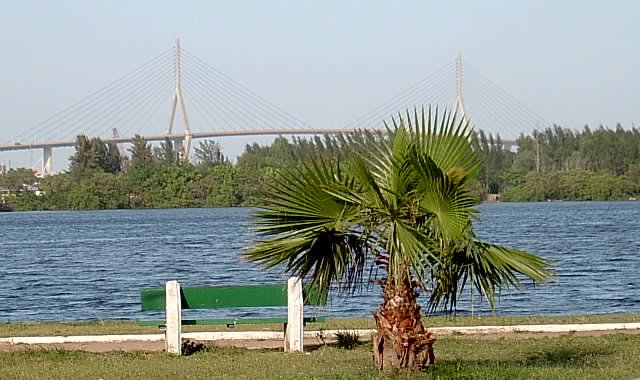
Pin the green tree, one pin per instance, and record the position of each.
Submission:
(16, 179)
(112, 162)
(111, 190)
(83, 196)
(140, 150)
(166, 153)
(56, 188)
(92, 154)
(209, 153)
(404, 206)
(81, 159)
(216, 187)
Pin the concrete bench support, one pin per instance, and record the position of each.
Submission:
(174, 318)
(293, 338)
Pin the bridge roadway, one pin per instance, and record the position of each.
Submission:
(47, 147)
(195, 135)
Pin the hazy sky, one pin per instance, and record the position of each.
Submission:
(327, 62)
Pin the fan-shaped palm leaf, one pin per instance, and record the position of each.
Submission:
(403, 202)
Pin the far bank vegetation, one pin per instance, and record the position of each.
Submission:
(552, 164)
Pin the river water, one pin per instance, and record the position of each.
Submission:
(88, 265)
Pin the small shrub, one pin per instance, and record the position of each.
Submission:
(347, 339)
(190, 347)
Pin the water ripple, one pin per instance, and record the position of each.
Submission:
(91, 265)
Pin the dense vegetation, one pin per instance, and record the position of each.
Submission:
(100, 177)
(562, 164)
(553, 164)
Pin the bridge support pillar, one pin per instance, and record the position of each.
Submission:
(47, 161)
(178, 147)
(187, 145)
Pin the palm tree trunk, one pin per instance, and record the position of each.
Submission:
(399, 326)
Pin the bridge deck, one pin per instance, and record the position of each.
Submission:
(195, 135)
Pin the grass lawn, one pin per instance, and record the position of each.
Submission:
(565, 357)
(130, 327)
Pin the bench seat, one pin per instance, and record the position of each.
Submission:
(174, 298)
(229, 322)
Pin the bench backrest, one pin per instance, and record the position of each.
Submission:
(215, 297)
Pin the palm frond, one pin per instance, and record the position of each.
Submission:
(402, 201)
(488, 267)
(307, 228)
(446, 140)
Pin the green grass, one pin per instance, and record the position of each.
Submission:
(565, 357)
(130, 327)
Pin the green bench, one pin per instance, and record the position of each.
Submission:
(219, 297)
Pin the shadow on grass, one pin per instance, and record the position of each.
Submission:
(558, 357)
(568, 357)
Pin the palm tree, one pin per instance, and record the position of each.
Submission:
(402, 205)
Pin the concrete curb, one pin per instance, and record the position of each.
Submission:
(559, 328)
(364, 333)
(83, 339)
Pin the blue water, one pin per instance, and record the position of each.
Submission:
(90, 265)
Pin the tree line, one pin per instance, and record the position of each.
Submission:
(552, 164)
(562, 164)
(147, 176)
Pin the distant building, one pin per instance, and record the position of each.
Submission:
(493, 197)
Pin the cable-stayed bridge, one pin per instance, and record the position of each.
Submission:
(200, 96)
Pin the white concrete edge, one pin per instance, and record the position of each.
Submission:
(83, 339)
(556, 328)
(257, 335)
(234, 335)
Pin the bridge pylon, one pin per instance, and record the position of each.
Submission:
(47, 161)
(459, 105)
(182, 144)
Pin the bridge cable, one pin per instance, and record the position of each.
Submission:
(223, 81)
(398, 102)
(108, 115)
(129, 115)
(97, 94)
(217, 116)
(265, 104)
(241, 110)
(89, 107)
(228, 99)
(498, 114)
(509, 105)
(104, 113)
(232, 93)
(219, 101)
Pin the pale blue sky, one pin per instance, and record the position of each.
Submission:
(327, 62)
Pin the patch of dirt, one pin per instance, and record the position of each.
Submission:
(87, 346)
(128, 346)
